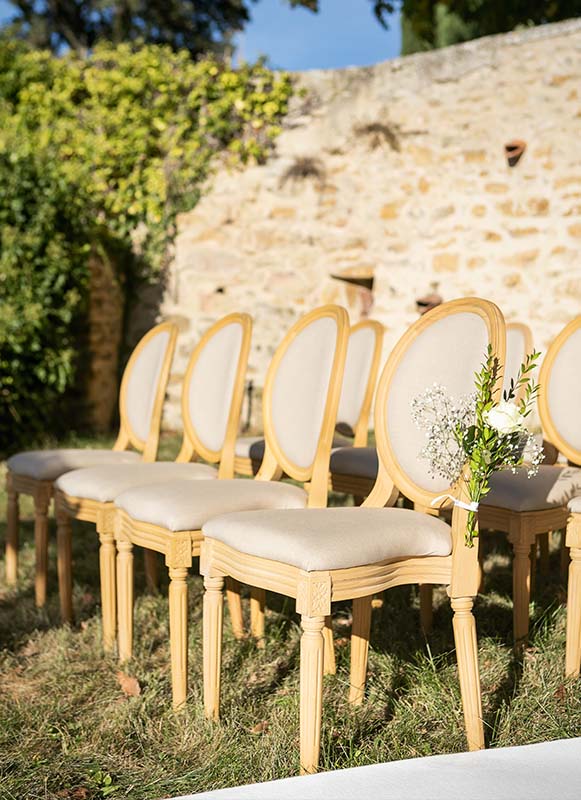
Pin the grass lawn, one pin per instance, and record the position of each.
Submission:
(69, 730)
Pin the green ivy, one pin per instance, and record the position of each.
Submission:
(111, 147)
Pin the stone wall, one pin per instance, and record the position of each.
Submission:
(399, 171)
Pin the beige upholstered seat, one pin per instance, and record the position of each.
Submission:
(187, 505)
(48, 465)
(104, 484)
(253, 446)
(359, 461)
(552, 486)
(332, 538)
(574, 505)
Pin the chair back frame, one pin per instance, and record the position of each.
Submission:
(361, 427)
(275, 461)
(550, 429)
(192, 446)
(527, 335)
(127, 436)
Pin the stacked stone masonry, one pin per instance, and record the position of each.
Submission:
(399, 170)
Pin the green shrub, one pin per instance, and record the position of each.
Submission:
(111, 147)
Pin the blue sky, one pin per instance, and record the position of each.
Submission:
(344, 33)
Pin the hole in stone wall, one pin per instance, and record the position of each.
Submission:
(514, 151)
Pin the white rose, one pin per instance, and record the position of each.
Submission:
(505, 418)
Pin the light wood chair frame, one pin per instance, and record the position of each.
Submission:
(42, 491)
(103, 514)
(573, 520)
(523, 527)
(315, 591)
(249, 467)
(179, 548)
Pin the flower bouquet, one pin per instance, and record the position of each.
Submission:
(472, 437)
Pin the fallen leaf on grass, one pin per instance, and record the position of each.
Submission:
(129, 686)
(260, 727)
(560, 692)
(80, 793)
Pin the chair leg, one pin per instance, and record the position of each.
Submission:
(124, 599)
(257, 605)
(573, 651)
(235, 607)
(533, 562)
(64, 564)
(178, 633)
(521, 588)
(329, 666)
(359, 648)
(213, 622)
(482, 582)
(108, 594)
(426, 607)
(12, 530)
(467, 656)
(151, 571)
(311, 691)
(41, 503)
(564, 556)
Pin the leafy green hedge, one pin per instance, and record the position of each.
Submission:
(108, 148)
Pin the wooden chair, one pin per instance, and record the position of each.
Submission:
(301, 396)
(319, 556)
(211, 401)
(34, 472)
(526, 508)
(359, 380)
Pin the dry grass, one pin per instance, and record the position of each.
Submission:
(68, 730)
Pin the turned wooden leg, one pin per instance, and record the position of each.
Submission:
(151, 572)
(213, 621)
(329, 666)
(257, 605)
(235, 607)
(41, 503)
(481, 582)
(311, 691)
(107, 553)
(124, 599)
(178, 633)
(359, 648)
(12, 526)
(521, 587)
(467, 656)
(533, 562)
(64, 537)
(426, 606)
(573, 651)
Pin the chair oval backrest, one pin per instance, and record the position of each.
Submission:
(144, 383)
(360, 376)
(560, 392)
(519, 344)
(445, 346)
(214, 385)
(302, 387)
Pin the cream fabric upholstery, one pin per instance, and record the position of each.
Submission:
(359, 461)
(211, 385)
(332, 538)
(356, 376)
(552, 486)
(575, 505)
(48, 465)
(104, 484)
(535, 771)
(448, 352)
(253, 446)
(187, 505)
(515, 354)
(300, 390)
(564, 391)
(142, 383)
